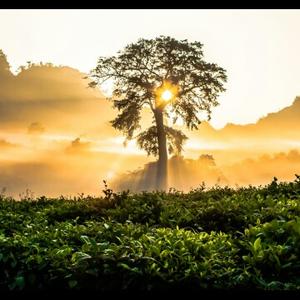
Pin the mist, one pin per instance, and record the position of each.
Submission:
(56, 139)
(186, 174)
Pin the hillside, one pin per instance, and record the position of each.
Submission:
(57, 97)
(284, 124)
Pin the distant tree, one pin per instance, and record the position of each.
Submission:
(207, 160)
(77, 147)
(4, 65)
(171, 78)
(36, 128)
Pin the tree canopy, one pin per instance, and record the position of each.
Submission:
(142, 68)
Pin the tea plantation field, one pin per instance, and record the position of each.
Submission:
(220, 238)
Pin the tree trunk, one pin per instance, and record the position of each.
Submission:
(162, 165)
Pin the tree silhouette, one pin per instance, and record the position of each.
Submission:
(172, 79)
(4, 65)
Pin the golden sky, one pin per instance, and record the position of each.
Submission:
(258, 48)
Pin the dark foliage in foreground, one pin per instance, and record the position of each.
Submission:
(222, 238)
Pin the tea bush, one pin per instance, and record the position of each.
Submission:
(222, 238)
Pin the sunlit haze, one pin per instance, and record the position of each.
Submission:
(56, 134)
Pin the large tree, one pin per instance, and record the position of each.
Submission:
(171, 78)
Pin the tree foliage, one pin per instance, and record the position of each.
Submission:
(141, 68)
(4, 65)
(148, 140)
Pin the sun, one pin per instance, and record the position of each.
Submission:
(167, 95)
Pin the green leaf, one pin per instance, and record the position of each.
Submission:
(124, 266)
(72, 283)
(246, 258)
(20, 282)
(85, 239)
(287, 265)
(257, 244)
(80, 256)
(277, 260)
